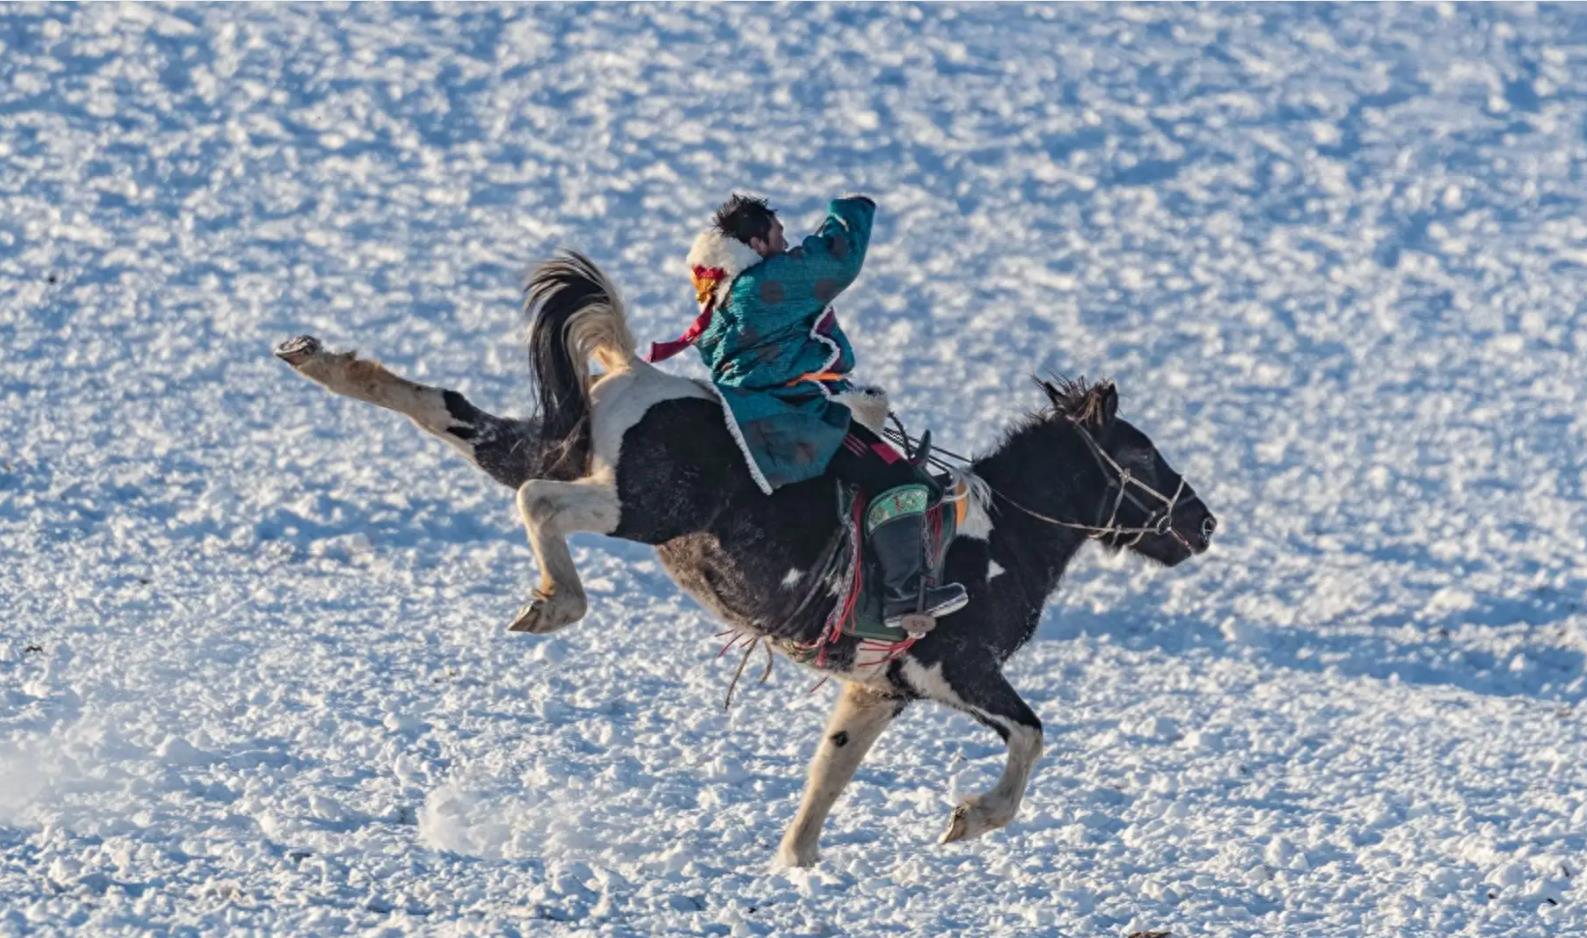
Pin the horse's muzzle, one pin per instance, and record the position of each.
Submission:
(1197, 526)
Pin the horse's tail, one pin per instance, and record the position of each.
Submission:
(575, 314)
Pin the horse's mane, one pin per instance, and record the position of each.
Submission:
(1067, 398)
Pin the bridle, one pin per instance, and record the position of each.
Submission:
(1159, 521)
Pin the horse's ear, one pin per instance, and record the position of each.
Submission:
(1054, 396)
(1107, 403)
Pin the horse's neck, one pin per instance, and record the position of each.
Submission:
(1034, 485)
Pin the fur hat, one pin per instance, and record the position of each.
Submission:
(714, 260)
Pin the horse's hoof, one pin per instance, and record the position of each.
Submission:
(532, 617)
(958, 825)
(972, 818)
(793, 858)
(547, 613)
(299, 350)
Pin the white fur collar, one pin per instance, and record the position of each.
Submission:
(715, 249)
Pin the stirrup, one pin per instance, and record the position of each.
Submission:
(948, 599)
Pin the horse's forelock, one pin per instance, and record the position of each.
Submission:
(1076, 398)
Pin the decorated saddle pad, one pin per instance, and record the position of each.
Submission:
(942, 524)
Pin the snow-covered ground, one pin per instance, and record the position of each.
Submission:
(253, 665)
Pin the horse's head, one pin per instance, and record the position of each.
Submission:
(1141, 503)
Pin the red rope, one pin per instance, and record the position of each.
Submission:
(845, 609)
(843, 613)
(889, 650)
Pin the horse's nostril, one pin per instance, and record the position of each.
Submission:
(1208, 525)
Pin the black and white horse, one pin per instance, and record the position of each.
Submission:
(646, 456)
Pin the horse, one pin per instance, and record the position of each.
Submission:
(635, 453)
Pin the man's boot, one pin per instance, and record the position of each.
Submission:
(895, 523)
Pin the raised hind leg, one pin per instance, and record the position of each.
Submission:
(505, 449)
(858, 718)
(980, 690)
(550, 511)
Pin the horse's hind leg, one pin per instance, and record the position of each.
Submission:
(503, 448)
(858, 718)
(987, 696)
(551, 511)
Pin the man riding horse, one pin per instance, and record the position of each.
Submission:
(778, 360)
(642, 455)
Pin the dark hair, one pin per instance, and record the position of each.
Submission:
(745, 217)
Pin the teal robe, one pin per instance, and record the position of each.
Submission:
(776, 326)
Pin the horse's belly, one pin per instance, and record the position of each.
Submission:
(694, 561)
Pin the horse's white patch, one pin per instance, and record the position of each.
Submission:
(550, 511)
(590, 504)
(977, 521)
(793, 577)
(620, 400)
(929, 682)
(993, 570)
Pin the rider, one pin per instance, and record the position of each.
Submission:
(777, 360)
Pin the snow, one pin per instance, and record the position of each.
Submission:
(254, 671)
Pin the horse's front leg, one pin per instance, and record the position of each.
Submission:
(978, 688)
(550, 511)
(858, 718)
